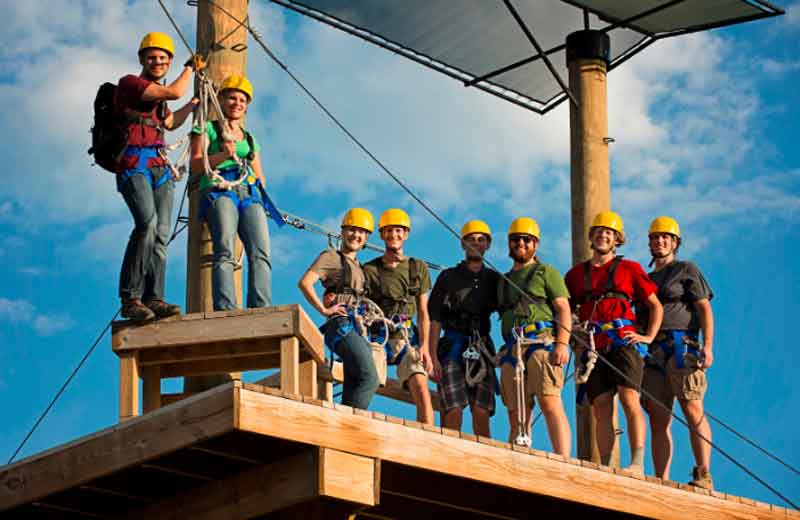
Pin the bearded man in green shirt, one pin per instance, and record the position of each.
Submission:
(536, 320)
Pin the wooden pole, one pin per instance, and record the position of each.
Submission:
(212, 26)
(587, 59)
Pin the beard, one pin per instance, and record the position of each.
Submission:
(522, 257)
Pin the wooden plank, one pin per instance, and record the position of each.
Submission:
(205, 351)
(268, 322)
(310, 337)
(295, 421)
(128, 386)
(122, 446)
(348, 477)
(230, 328)
(307, 374)
(216, 366)
(151, 388)
(290, 371)
(168, 399)
(249, 494)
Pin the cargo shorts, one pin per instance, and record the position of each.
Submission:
(666, 382)
(410, 364)
(541, 379)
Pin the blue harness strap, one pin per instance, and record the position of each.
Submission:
(531, 332)
(458, 343)
(144, 154)
(242, 196)
(378, 335)
(610, 328)
(673, 343)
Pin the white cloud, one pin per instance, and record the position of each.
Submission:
(24, 312)
(682, 115)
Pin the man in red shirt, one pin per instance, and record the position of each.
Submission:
(603, 289)
(142, 179)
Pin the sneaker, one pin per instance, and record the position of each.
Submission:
(701, 478)
(135, 310)
(163, 309)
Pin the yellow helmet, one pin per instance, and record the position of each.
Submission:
(610, 220)
(157, 40)
(360, 218)
(394, 217)
(665, 225)
(476, 226)
(524, 226)
(238, 82)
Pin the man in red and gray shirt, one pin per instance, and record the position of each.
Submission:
(142, 178)
(603, 289)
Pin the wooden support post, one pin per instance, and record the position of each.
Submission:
(290, 369)
(151, 388)
(307, 374)
(212, 24)
(587, 58)
(128, 386)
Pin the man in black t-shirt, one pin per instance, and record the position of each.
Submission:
(680, 354)
(461, 303)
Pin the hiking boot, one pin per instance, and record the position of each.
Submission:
(701, 478)
(163, 309)
(135, 310)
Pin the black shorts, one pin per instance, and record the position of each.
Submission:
(605, 379)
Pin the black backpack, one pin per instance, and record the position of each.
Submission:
(109, 132)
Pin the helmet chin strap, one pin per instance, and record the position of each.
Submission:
(656, 257)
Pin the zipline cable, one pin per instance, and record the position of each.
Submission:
(63, 387)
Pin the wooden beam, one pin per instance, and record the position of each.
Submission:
(348, 477)
(491, 462)
(249, 494)
(151, 387)
(290, 371)
(124, 445)
(128, 386)
(307, 373)
(214, 366)
(262, 490)
(206, 351)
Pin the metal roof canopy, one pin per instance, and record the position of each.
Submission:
(516, 49)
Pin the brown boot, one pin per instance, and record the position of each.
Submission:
(136, 311)
(701, 478)
(163, 309)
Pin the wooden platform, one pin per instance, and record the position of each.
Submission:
(248, 451)
(212, 343)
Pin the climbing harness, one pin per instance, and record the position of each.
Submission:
(678, 344)
(472, 352)
(521, 343)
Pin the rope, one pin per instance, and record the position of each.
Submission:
(63, 387)
(452, 231)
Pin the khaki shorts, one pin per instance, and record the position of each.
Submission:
(541, 379)
(411, 363)
(688, 383)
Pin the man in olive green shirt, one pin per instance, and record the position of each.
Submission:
(400, 285)
(544, 349)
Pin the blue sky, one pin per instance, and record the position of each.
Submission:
(704, 128)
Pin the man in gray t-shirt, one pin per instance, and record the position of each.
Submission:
(680, 354)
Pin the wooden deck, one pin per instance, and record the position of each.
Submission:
(249, 451)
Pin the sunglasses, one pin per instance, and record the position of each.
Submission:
(525, 238)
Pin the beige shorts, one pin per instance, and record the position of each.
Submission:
(541, 379)
(411, 363)
(688, 383)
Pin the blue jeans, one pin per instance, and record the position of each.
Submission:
(145, 261)
(360, 375)
(224, 220)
